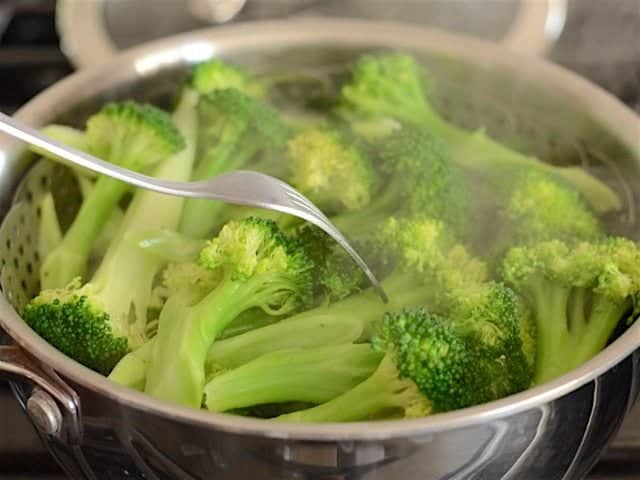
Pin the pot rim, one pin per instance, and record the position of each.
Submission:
(202, 44)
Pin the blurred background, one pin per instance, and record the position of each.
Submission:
(42, 41)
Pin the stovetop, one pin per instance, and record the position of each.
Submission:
(30, 60)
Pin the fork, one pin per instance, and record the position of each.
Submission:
(240, 187)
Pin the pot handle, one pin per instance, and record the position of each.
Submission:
(52, 405)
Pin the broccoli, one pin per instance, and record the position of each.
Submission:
(335, 276)
(420, 181)
(435, 363)
(118, 309)
(261, 267)
(128, 134)
(424, 261)
(391, 85)
(233, 128)
(215, 74)
(313, 375)
(577, 296)
(539, 208)
(331, 170)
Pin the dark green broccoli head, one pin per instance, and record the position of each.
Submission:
(333, 171)
(254, 249)
(75, 321)
(440, 360)
(471, 355)
(218, 75)
(541, 208)
(134, 135)
(335, 275)
(436, 187)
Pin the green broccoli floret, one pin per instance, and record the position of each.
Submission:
(74, 319)
(120, 306)
(391, 86)
(128, 134)
(330, 170)
(218, 75)
(233, 129)
(335, 276)
(260, 267)
(541, 208)
(313, 375)
(419, 180)
(577, 295)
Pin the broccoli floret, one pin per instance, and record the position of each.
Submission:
(335, 276)
(260, 267)
(120, 306)
(218, 75)
(419, 180)
(128, 134)
(391, 85)
(74, 319)
(577, 296)
(437, 363)
(233, 128)
(332, 171)
(541, 208)
(313, 375)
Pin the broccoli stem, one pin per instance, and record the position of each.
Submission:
(567, 337)
(382, 392)
(304, 332)
(69, 259)
(310, 375)
(185, 334)
(49, 232)
(131, 370)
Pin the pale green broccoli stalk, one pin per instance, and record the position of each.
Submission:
(577, 295)
(391, 85)
(314, 375)
(260, 267)
(111, 226)
(131, 370)
(419, 180)
(233, 129)
(127, 134)
(49, 231)
(305, 331)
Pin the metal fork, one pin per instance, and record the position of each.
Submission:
(239, 187)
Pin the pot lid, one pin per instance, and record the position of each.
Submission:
(93, 30)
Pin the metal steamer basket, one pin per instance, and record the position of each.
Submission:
(99, 430)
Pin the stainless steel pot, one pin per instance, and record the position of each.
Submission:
(555, 431)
